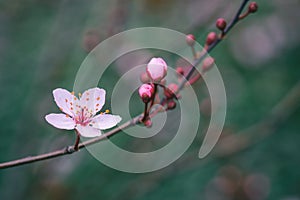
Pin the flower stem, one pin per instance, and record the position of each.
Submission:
(76, 145)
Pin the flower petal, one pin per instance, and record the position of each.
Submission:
(60, 121)
(156, 69)
(88, 131)
(105, 121)
(93, 100)
(66, 101)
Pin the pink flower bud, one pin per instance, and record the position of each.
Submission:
(180, 71)
(171, 105)
(171, 90)
(211, 38)
(208, 63)
(190, 39)
(221, 24)
(252, 7)
(148, 123)
(146, 92)
(157, 69)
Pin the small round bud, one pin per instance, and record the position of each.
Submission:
(208, 63)
(146, 92)
(221, 24)
(180, 71)
(171, 90)
(171, 105)
(211, 38)
(148, 123)
(252, 7)
(156, 69)
(144, 78)
(190, 39)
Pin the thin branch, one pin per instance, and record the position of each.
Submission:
(213, 45)
(227, 146)
(70, 149)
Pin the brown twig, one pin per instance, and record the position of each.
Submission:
(213, 45)
(227, 146)
(70, 149)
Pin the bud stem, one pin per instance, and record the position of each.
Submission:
(194, 52)
(146, 113)
(244, 15)
(214, 44)
(154, 95)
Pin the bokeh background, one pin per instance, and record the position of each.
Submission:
(42, 44)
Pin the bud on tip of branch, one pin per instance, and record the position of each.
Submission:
(208, 63)
(221, 24)
(171, 90)
(190, 39)
(180, 71)
(211, 38)
(252, 7)
(171, 105)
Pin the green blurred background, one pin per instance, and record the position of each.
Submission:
(42, 44)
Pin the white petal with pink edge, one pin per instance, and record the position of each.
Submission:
(66, 101)
(88, 131)
(93, 100)
(61, 121)
(105, 121)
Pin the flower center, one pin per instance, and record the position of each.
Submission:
(84, 116)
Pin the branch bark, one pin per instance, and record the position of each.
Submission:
(70, 149)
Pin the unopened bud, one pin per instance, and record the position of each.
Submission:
(221, 24)
(208, 63)
(171, 90)
(148, 123)
(211, 38)
(180, 71)
(252, 7)
(146, 92)
(190, 39)
(171, 105)
(157, 69)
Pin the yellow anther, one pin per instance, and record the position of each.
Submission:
(107, 111)
(79, 94)
(73, 93)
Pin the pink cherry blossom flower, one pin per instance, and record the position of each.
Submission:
(157, 69)
(81, 113)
